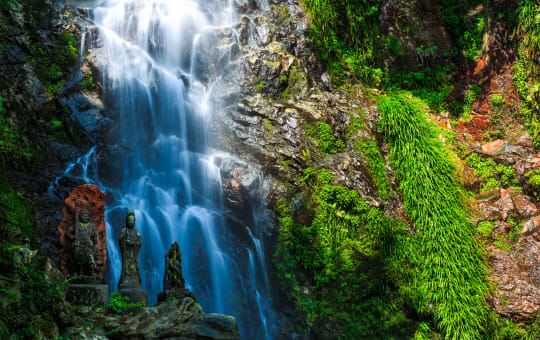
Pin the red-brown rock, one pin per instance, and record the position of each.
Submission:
(506, 204)
(503, 203)
(476, 127)
(91, 198)
(495, 146)
(524, 207)
(532, 228)
(516, 277)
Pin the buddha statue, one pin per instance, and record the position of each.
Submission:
(130, 245)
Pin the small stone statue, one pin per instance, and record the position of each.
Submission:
(84, 244)
(173, 277)
(173, 280)
(23, 256)
(130, 244)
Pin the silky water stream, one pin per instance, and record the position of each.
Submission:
(158, 75)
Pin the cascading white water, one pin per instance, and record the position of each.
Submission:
(158, 74)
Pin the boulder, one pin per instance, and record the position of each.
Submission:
(180, 318)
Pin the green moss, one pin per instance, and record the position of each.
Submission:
(294, 83)
(485, 228)
(494, 175)
(470, 98)
(527, 67)
(377, 168)
(310, 130)
(261, 86)
(268, 127)
(496, 101)
(121, 303)
(15, 213)
(533, 177)
(502, 245)
(340, 253)
(327, 141)
(448, 276)
(355, 125)
(87, 84)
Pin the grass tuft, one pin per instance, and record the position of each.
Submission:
(448, 278)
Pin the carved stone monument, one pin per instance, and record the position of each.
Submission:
(173, 279)
(130, 244)
(84, 239)
(83, 234)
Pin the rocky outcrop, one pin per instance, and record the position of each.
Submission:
(283, 95)
(179, 318)
(515, 275)
(285, 92)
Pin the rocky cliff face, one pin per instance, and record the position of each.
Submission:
(283, 116)
(285, 94)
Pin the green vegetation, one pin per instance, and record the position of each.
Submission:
(472, 94)
(87, 84)
(346, 35)
(30, 301)
(340, 254)
(494, 175)
(120, 303)
(447, 282)
(327, 142)
(527, 67)
(53, 64)
(534, 179)
(10, 2)
(294, 82)
(355, 125)
(261, 86)
(502, 245)
(376, 166)
(485, 228)
(268, 127)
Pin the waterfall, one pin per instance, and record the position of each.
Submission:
(158, 74)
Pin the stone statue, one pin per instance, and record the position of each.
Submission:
(84, 244)
(83, 235)
(130, 244)
(173, 277)
(23, 256)
(84, 239)
(173, 280)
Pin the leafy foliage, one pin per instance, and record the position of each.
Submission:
(494, 175)
(327, 142)
(346, 33)
(527, 67)
(340, 254)
(376, 166)
(30, 300)
(447, 282)
(120, 303)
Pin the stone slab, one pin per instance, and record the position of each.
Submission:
(135, 295)
(88, 294)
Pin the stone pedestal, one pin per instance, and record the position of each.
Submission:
(88, 294)
(175, 293)
(135, 295)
